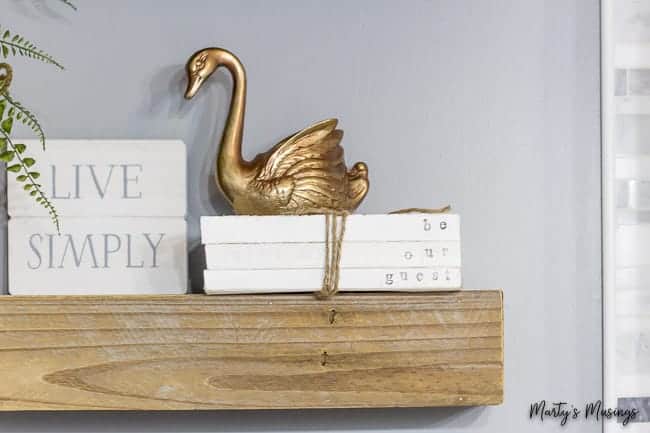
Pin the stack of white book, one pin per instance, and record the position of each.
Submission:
(274, 254)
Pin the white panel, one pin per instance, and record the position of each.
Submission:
(632, 56)
(633, 167)
(632, 105)
(129, 255)
(638, 196)
(634, 278)
(633, 385)
(107, 178)
(633, 245)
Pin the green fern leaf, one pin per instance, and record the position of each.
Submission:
(26, 117)
(29, 177)
(7, 156)
(25, 48)
(6, 124)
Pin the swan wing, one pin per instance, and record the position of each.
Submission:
(314, 151)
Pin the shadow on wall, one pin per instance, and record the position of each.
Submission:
(204, 118)
(217, 421)
(38, 8)
(201, 120)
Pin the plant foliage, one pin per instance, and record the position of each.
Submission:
(11, 153)
(16, 45)
(23, 115)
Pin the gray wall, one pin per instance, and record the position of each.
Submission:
(492, 106)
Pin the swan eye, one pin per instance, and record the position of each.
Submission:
(200, 62)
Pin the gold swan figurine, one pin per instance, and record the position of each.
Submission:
(303, 174)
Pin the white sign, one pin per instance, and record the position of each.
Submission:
(121, 206)
(126, 255)
(107, 178)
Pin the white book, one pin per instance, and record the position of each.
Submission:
(311, 228)
(310, 280)
(301, 255)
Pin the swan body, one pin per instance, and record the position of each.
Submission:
(303, 174)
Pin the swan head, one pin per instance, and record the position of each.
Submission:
(199, 67)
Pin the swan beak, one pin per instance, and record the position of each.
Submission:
(193, 86)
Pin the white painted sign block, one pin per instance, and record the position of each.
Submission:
(107, 178)
(118, 256)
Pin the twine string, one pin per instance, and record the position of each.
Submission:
(334, 234)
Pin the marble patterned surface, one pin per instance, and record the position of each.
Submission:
(642, 404)
(631, 339)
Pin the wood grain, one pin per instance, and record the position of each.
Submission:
(251, 352)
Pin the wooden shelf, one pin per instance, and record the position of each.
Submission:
(251, 352)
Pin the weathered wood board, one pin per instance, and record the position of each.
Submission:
(251, 352)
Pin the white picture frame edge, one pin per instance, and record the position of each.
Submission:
(608, 212)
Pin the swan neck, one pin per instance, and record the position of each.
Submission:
(231, 166)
